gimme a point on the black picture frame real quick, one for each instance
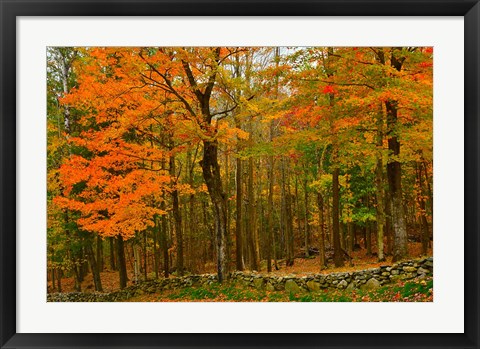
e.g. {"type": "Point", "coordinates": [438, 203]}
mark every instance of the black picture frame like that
{"type": "Point", "coordinates": [9, 10]}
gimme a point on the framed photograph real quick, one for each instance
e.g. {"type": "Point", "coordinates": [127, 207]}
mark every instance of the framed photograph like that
{"type": "Point", "coordinates": [239, 174]}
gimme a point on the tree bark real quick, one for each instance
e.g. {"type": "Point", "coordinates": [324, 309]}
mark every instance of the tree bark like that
{"type": "Point", "coordinates": [94, 266]}
{"type": "Point", "coordinates": [122, 265]}
{"type": "Point", "coordinates": [59, 280]}
{"type": "Point", "coordinates": [306, 227]}
{"type": "Point", "coordinates": [239, 217]}
{"type": "Point", "coordinates": [156, 254]}
{"type": "Point", "coordinates": [394, 171]}
{"type": "Point", "coordinates": [112, 253]}
{"type": "Point", "coordinates": [379, 187]}
{"type": "Point", "coordinates": [394, 174]}
{"type": "Point", "coordinates": [423, 215]}
{"type": "Point", "coordinates": [270, 237]}
{"type": "Point", "coordinates": [99, 254]}
{"type": "Point", "coordinates": [337, 249]}
{"type": "Point", "coordinates": [429, 189]}
{"type": "Point", "coordinates": [211, 174]}
{"type": "Point", "coordinates": [321, 230]}
{"type": "Point", "coordinates": [290, 236]}
{"type": "Point", "coordinates": [368, 232]}
{"type": "Point", "coordinates": [251, 227]}
{"type": "Point", "coordinates": [192, 218]}
{"type": "Point", "coordinates": [287, 225]}
{"type": "Point", "coordinates": [177, 217]}
{"type": "Point", "coordinates": [136, 262]}
{"type": "Point", "coordinates": [164, 241]}
{"type": "Point", "coordinates": [145, 264]}
{"type": "Point", "coordinates": [351, 237]}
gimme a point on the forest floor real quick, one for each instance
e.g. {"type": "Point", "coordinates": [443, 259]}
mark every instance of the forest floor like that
{"type": "Point", "coordinates": [416, 290]}
{"type": "Point", "coordinates": [301, 267]}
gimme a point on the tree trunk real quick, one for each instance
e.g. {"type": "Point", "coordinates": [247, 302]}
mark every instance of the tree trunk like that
{"type": "Point", "coordinates": [351, 237]}
{"type": "Point", "coordinates": [394, 174]}
{"type": "Point", "coordinates": [239, 217]}
{"type": "Point", "coordinates": [394, 170]}
{"type": "Point", "coordinates": [99, 254]}
{"type": "Point", "coordinates": [52, 278]}
{"type": "Point", "coordinates": [83, 265]}
{"type": "Point", "coordinates": [290, 236]}
{"type": "Point", "coordinates": [271, 162]}
{"type": "Point", "coordinates": [388, 223]}
{"type": "Point", "coordinates": [379, 187]}
{"type": "Point", "coordinates": [251, 227]}
{"type": "Point", "coordinates": [78, 279]}
{"type": "Point", "coordinates": [144, 252]}
{"type": "Point", "coordinates": [287, 217]}
{"type": "Point", "coordinates": [164, 241]}
{"type": "Point", "coordinates": [59, 280]}
{"type": "Point", "coordinates": [122, 264]}
{"type": "Point", "coordinates": [94, 266]}
{"type": "Point", "coordinates": [156, 251]}
{"type": "Point", "coordinates": [136, 262]}
{"type": "Point", "coordinates": [368, 230]}
{"type": "Point", "coordinates": [270, 237]}
{"type": "Point", "coordinates": [321, 231]}
{"type": "Point", "coordinates": [192, 218]}
{"type": "Point", "coordinates": [228, 241]}
{"type": "Point", "coordinates": [177, 217]}
{"type": "Point", "coordinates": [112, 253]}
{"type": "Point", "coordinates": [337, 250]}
{"type": "Point", "coordinates": [423, 215]}
{"type": "Point", "coordinates": [211, 175]}
{"type": "Point", "coordinates": [380, 212]}
{"type": "Point", "coordinates": [429, 189]}
{"type": "Point", "coordinates": [306, 227]}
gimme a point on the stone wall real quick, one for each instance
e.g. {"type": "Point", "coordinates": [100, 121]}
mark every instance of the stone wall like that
{"type": "Point", "coordinates": [363, 279]}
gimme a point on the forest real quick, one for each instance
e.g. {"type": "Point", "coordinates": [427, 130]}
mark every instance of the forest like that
{"type": "Point", "coordinates": [171, 161]}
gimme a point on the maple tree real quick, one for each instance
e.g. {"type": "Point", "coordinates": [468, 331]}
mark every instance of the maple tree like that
{"type": "Point", "coordinates": [242, 157]}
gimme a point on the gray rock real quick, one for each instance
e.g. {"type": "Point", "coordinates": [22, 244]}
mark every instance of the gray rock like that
{"type": "Point", "coordinates": [428, 263]}
{"type": "Point", "coordinates": [409, 269]}
{"type": "Point", "coordinates": [422, 271]}
{"type": "Point", "coordinates": [342, 284]}
{"type": "Point", "coordinates": [292, 287]}
{"type": "Point", "coordinates": [269, 287]}
{"type": "Point", "coordinates": [371, 284]}
{"type": "Point", "coordinates": [258, 283]}
{"type": "Point", "coordinates": [313, 286]}
{"type": "Point", "coordinates": [394, 278]}
{"type": "Point", "coordinates": [407, 276]}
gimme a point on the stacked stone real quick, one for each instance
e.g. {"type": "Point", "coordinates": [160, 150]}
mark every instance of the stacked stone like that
{"type": "Point", "coordinates": [363, 279]}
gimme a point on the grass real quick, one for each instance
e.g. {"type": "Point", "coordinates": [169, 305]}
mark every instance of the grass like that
{"type": "Point", "coordinates": [410, 291]}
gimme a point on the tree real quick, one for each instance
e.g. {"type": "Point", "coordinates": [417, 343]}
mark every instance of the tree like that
{"type": "Point", "coordinates": [170, 149]}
